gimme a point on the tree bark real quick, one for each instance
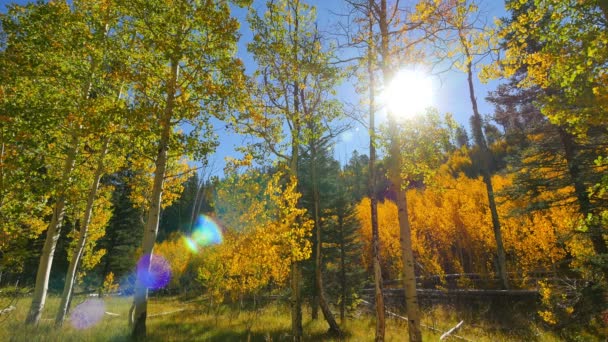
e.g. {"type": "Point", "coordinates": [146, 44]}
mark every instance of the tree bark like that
{"type": "Point", "coordinates": [72, 268]}
{"type": "Point", "coordinates": [342, 270]}
{"type": "Point", "coordinates": [296, 302]}
{"type": "Point", "coordinates": [296, 271]}
{"type": "Point", "coordinates": [314, 305]}
{"type": "Point", "coordinates": [151, 227]}
{"type": "Point", "coordinates": [52, 236]}
{"type": "Point", "coordinates": [407, 255]}
{"type": "Point", "coordinates": [334, 329]}
{"type": "Point", "coordinates": [376, 262]}
{"type": "Point", "coordinates": [485, 172]}
{"type": "Point", "coordinates": [54, 230]}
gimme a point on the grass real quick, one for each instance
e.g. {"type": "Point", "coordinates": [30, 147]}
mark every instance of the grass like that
{"type": "Point", "coordinates": [270, 323]}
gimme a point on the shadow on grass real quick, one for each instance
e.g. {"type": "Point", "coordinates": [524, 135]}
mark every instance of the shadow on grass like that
{"type": "Point", "coordinates": [207, 331]}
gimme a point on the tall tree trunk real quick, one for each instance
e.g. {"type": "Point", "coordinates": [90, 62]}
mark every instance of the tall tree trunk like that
{"type": "Point", "coordinates": [582, 195]}
{"type": "Point", "coordinates": [485, 172]}
{"type": "Point", "coordinates": [407, 255]}
{"type": "Point", "coordinates": [342, 270]}
{"type": "Point", "coordinates": [376, 263]}
{"type": "Point", "coordinates": [140, 299]}
{"type": "Point", "coordinates": [54, 230]}
{"type": "Point", "coordinates": [296, 302]}
{"type": "Point", "coordinates": [84, 228]}
{"type": "Point", "coordinates": [52, 235]}
{"type": "Point", "coordinates": [314, 305]}
{"type": "Point", "coordinates": [296, 271]}
{"type": "Point", "coordinates": [334, 329]}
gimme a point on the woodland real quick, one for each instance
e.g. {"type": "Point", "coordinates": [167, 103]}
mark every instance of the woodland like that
{"type": "Point", "coordinates": [115, 224]}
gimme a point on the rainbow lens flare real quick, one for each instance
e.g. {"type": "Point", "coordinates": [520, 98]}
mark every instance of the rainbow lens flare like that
{"type": "Point", "coordinates": [154, 271]}
{"type": "Point", "coordinates": [87, 313]}
{"type": "Point", "coordinates": [206, 232]}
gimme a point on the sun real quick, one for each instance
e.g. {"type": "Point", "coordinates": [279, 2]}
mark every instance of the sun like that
{"type": "Point", "coordinates": [409, 93]}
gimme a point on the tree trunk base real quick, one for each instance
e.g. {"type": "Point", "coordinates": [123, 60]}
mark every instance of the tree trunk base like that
{"type": "Point", "coordinates": [139, 327]}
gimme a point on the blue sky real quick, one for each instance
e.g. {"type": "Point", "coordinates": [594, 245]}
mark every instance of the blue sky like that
{"type": "Point", "coordinates": [451, 93]}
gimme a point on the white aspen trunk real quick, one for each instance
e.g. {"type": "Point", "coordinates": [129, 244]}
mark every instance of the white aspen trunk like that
{"type": "Point", "coordinates": [409, 275]}
{"type": "Point", "coordinates": [72, 268]}
{"type": "Point", "coordinates": [407, 255]}
{"type": "Point", "coordinates": [54, 230]}
{"type": "Point", "coordinates": [151, 227]}
{"type": "Point", "coordinates": [52, 235]}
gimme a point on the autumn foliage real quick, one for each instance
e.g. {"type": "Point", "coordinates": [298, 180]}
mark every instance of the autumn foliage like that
{"type": "Point", "coordinates": [452, 231]}
{"type": "Point", "coordinates": [264, 232]}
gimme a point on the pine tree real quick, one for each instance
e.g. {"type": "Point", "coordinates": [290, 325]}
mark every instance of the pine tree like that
{"type": "Point", "coordinates": [123, 233]}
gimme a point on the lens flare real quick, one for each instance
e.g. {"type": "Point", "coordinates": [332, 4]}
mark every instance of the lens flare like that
{"type": "Point", "coordinates": [87, 313]}
{"type": "Point", "coordinates": [154, 271]}
{"type": "Point", "coordinates": [206, 232]}
{"type": "Point", "coordinates": [190, 244]}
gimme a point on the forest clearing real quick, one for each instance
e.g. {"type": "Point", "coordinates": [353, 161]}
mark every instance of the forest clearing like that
{"type": "Point", "coordinates": [304, 170]}
{"type": "Point", "coordinates": [172, 319]}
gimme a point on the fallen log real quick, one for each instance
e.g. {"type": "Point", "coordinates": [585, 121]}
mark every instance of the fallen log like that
{"type": "Point", "coordinates": [7, 310]}
{"type": "Point", "coordinates": [446, 334]}
{"type": "Point", "coordinates": [166, 313]}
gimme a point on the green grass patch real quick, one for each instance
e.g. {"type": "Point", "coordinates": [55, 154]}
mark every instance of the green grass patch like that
{"type": "Point", "coordinates": [170, 319]}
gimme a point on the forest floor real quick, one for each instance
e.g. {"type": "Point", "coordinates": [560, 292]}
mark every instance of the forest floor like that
{"type": "Point", "coordinates": [171, 319]}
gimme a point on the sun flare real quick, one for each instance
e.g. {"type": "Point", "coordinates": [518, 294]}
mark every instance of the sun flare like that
{"type": "Point", "coordinates": [409, 93]}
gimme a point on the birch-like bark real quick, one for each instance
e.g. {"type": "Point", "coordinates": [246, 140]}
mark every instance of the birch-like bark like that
{"type": "Point", "coordinates": [82, 239]}
{"type": "Point", "coordinates": [409, 276]}
{"type": "Point", "coordinates": [151, 227]}
{"type": "Point", "coordinates": [52, 236]}
{"type": "Point", "coordinates": [54, 230]}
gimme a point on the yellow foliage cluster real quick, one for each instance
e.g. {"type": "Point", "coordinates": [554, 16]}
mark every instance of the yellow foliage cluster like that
{"type": "Point", "coordinates": [102, 212]}
{"type": "Point", "coordinates": [569, 55]}
{"type": "Point", "coordinates": [109, 285]}
{"type": "Point", "coordinates": [176, 175]}
{"type": "Point", "coordinates": [175, 251]}
{"type": "Point", "coordinates": [452, 230]}
{"type": "Point", "coordinates": [264, 233]}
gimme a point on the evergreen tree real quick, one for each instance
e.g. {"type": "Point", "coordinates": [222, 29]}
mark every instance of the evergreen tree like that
{"type": "Point", "coordinates": [178, 216]}
{"type": "Point", "coordinates": [356, 175]}
{"type": "Point", "coordinates": [345, 276]}
{"type": "Point", "coordinates": [326, 168]}
{"type": "Point", "coordinates": [547, 156]}
{"type": "Point", "coordinates": [123, 233]}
